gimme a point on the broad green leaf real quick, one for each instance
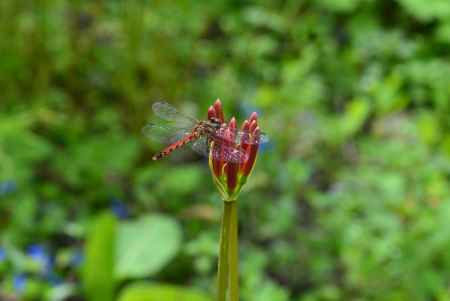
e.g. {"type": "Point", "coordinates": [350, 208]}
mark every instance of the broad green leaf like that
{"type": "Point", "coordinates": [159, 292]}
{"type": "Point", "coordinates": [146, 245]}
{"type": "Point", "coordinates": [98, 280]}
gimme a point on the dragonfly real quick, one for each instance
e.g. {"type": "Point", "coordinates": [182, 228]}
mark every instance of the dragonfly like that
{"type": "Point", "coordinates": [178, 130]}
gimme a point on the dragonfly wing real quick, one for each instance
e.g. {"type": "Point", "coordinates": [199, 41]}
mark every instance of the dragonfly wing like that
{"type": "Point", "coordinates": [220, 151]}
{"type": "Point", "coordinates": [229, 153]}
{"type": "Point", "coordinates": [168, 112]}
{"type": "Point", "coordinates": [165, 111]}
{"type": "Point", "coordinates": [244, 137]}
{"type": "Point", "coordinates": [201, 146]}
{"type": "Point", "coordinates": [163, 133]}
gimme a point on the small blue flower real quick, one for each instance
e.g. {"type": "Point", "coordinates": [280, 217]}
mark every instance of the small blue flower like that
{"type": "Point", "coordinates": [119, 208]}
{"type": "Point", "coordinates": [2, 254]}
{"type": "Point", "coordinates": [7, 187]}
{"type": "Point", "coordinates": [37, 252]}
{"type": "Point", "coordinates": [77, 258]}
{"type": "Point", "coordinates": [40, 255]}
{"type": "Point", "coordinates": [267, 146]}
{"type": "Point", "coordinates": [54, 279]}
{"type": "Point", "coordinates": [19, 283]}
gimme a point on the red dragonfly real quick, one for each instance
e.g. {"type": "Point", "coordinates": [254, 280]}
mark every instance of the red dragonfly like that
{"type": "Point", "coordinates": [178, 130]}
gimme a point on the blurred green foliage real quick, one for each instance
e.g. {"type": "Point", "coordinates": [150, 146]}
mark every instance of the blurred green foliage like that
{"type": "Point", "coordinates": [349, 201]}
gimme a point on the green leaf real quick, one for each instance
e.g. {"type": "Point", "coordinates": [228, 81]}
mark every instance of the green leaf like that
{"type": "Point", "coordinates": [355, 115]}
{"type": "Point", "coordinates": [443, 32]}
{"type": "Point", "coordinates": [427, 10]}
{"type": "Point", "coordinates": [146, 245]}
{"type": "Point", "coordinates": [428, 128]}
{"type": "Point", "coordinates": [158, 292]}
{"type": "Point", "coordinates": [20, 147]}
{"type": "Point", "coordinates": [98, 269]}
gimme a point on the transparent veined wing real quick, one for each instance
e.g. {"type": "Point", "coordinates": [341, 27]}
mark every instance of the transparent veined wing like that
{"type": "Point", "coordinates": [169, 113]}
{"type": "Point", "coordinates": [201, 146]}
{"type": "Point", "coordinates": [220, 151]}
{"type": "Point", "coordinates": [228, 153]}
{"type": "Point", "coordinates": [164, 134]}
{"type": "Point", "coordinates": [240, 137]}
{"type": "Point", "coordinates": [245, 137]}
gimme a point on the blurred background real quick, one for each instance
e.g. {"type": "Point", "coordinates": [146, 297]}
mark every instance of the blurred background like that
{"type": "Point", "coordinates": [349, 200]}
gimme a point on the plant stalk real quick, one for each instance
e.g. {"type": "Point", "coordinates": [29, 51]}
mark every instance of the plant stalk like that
{"type": "Point", "coordinates": [228, 269]}
{"type": "Point", "coordinates": [233, 251]}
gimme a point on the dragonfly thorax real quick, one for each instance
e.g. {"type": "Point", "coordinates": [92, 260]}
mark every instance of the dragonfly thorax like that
{"type": "Point", "coordinates": [207, 127]}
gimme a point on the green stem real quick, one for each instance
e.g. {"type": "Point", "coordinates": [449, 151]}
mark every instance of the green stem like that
{"type": "Point", "coordinates": [222, 271]}
{"type": "Point", "coordinates": [233, 251]}
{"type": "Point", "coordinates": [228, 269]}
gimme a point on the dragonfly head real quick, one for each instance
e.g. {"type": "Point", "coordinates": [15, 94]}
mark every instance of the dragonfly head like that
{"type": "Point", "coordinates": [215, 122]}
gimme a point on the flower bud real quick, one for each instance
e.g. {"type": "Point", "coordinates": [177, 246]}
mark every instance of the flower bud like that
{"type": "Point", "coordinates": [230, 174]}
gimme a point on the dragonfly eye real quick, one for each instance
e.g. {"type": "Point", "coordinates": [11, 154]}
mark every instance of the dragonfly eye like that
{"type": "Point", "coordinates": [215, 121]}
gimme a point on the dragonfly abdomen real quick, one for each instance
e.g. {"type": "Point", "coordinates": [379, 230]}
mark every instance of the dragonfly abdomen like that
{"type": "Point", "coordinates": [168, 150]}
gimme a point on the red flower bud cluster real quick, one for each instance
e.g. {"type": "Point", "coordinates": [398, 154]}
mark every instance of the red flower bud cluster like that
{"type": "Point", "coordinates": [231, 176]}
